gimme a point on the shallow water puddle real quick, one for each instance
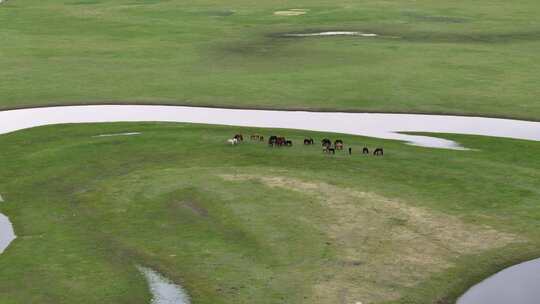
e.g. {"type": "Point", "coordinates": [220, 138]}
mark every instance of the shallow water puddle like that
{"type": "Point", "coordinates": [7, 234]}
{"type": "Point", "coordinates": [291, 12]}
{"type": "Point", "coordinates": [332, 33]}
{"type": "Point", "coordinates": [118, 134]}
{"type": "Point", "coordinates": [162, 289]}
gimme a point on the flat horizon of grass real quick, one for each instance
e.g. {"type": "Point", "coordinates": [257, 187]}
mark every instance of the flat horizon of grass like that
{"type": "Point", "coordinates": [453, 57]}
{"type": "Point", "coordinates": [248, 223]}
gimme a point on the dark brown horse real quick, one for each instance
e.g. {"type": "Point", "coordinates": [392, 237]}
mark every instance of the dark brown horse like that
{"type": "Point", "coordinates": [338, 144]}
{"type": "Point", "coordinates": [365, 150]}
{"type": "Point", "coordinates": [308, 141]}
{"type": "Point", "coordinates": [378, 151]}
{"type": "Point", "coordinates": [288, 143]}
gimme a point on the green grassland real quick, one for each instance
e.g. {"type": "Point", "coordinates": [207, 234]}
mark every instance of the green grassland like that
{"type": "Point", "coordinates": [461, 57]}
{"type": "Point", "coordinates": [252, 224]}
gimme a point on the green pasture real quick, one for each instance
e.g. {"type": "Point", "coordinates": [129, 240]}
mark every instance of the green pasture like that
{"type": "Point", "coordinates": [460, 57]}
{"type": "Point", "coordinates": [252, 224]}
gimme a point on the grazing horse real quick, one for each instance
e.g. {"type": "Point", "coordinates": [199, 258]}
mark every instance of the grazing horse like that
{"type": "Point", "coordinates": [326, 142]}
{"type": "Point", "coordinates": [329, 150]}
{"type": "Point", "coordinates": [272, 140]}
{"type": "Point", "coordinates": [365, 150]}
{"type": "Point", "coordinates": [378, 151]}
{"type": "Point", "coordinates": [232, 141]}
{"type": "Point", "coordinates": [288, 143]}
{"type": "Point", "coordinates": [338, 144]}
{"type": "Point", "coordinates": [281, 141]}
{"type": "Point", "coordinates": [239, 137]}
{"type": "Point", "coordinates": [308, 141]}
{"type": "Point", "coordinates": [276, 141]}
{"type": "Point", "coordinates": [255, 137]}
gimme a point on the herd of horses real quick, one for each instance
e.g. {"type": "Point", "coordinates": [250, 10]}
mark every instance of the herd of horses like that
{"type": "Point", "coordinates": [280, 141]}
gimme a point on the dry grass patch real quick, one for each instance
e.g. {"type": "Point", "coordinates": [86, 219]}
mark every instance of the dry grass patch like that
{"type": "Point", "coordinates": [383, 245]}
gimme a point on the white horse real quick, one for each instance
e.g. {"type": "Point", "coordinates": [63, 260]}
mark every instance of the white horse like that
{"type": "Point", "coordinates": [232, 141]}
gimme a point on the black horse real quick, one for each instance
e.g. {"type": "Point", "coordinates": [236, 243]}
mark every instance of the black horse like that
{"type": "Point", "coordinates": [288, 143]}
{"type": "Point", "coordinates": [329, 150]}
{"type": "Point", "coordinates": [365, 150]}
{"type": "Point", "coordinates": [378, 151]}
{"type": "Point", "coordinates": [272, 140]}
{"type": "Point", "coordinates": [326, 142]}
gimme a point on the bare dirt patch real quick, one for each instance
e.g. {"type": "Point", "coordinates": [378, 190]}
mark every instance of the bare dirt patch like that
{"type": "Point", "coordinates": [383, 245]}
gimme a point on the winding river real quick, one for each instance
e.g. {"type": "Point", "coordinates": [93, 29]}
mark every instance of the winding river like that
{"type": "Point", "coordinates": [513, 282]}
{"type": "Point", "coordinates": [384, 126]}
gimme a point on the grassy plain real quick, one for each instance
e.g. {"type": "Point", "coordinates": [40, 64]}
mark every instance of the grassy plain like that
{"type": "Point", "coordinates": [251, 224]}
{"type": "Point", "coordinates": [460, 57]}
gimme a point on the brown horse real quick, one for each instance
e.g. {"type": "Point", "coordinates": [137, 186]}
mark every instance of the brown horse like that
{"type": "Point", "coordinates": [338, 144]}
